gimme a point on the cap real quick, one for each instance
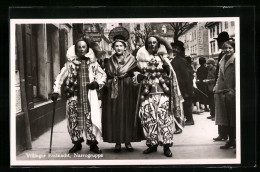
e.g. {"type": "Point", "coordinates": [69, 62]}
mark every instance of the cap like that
{"type": "Point", "coordinates": [211, 61]}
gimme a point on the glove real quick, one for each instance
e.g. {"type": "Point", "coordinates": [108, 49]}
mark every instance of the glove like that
{"type": "Point", "coordinates": [93, 85]}
{"type": "Point", "coordinates": [140, 77]}
{"type": "Point", "coordinates": [166, 68]}
{"type": "Point", "coordinates": [54, 96]}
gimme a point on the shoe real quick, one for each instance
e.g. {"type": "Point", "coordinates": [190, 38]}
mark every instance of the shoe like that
{"type": "Point", "coordinates": [167, 152]}
{"type": "Point", "coordinates": [75, 148]}
{"type": "Point", "coordinates": [213, 119]}
{"type": "Point", "coordinates": [178, 131]}
{"type": "Point", "coordinates": [189, 122]}
{"type": "Point", "coordinates": [210, 117]}
{"type": "Point", "coordinates": [129, 147]}
{"type": "Point", "coordinates": [220, 138]}
{"type": "Point", "coordinates": [150, 150]}
{"type": "Point", "coordinates": [228, 145]}
{"type": "Point", "coordinates": [117, 148]}
{"type": "Point", "coordinates": [95, 149]}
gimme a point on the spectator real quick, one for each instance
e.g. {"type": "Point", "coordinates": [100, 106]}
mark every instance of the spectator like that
{"type": "Point", "coordinates": [184, 80]}
{"type": "Point", "coordinates": [210, 81]}
{"type": "Point", "coordinates": [225, 93]}
{"type": "Point", "coordinates": [202, 74]}
{"type": "Point", "coordinates": [222, 37]}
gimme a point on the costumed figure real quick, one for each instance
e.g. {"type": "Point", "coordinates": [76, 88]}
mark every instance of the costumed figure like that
{"type": "Point", "coordinates": [120, 95]}
{"type": "Point", "coordinates": [160, 101]}
{"type": "Point", "coordinates": [83, 77]}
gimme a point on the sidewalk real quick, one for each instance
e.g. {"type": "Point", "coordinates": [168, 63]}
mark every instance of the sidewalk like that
{"type": "Point", "coordinates": [195, 142]}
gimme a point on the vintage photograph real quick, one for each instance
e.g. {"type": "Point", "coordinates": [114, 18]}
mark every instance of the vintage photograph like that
{"type": "Point", "coordinates": [131, 91]}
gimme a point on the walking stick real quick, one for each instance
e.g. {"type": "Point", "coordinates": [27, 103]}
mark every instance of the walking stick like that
{"type": "Point", "coordinates": [201, 92]}
{"type": "Point", "coordinates": [54, 104]}
{"type": "Point", "coordinates": [137, 104]}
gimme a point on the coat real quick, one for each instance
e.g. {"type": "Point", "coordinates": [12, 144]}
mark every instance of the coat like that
{"type": "Point", "coordinates": [95, 74]}
{"type": "Point", "coordinates": [212, 78]}
{"type": "Point", "coordinates": [119, 102]}
{"type": "Point", "coordinates": [184, 78]}
{"type": "Point", "coordinates": [225, 93]}
{"type": "Point", "coordinates": [202, 74]}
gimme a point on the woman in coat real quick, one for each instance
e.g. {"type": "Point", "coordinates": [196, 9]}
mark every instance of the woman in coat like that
{"type": "Point", "coordinates": [120, 95]}
{"type": "Point", "coordinates": [225, 93]}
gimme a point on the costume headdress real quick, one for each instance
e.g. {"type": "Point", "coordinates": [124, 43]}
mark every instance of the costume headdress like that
{"type": "Point", "coordinates": [118, 34]}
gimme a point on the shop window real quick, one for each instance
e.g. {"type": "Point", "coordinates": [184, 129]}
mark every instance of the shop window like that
{"type": "Point", "coordinates": [213, 31]}
{"type": "Point", "coordinates": [217, 29]}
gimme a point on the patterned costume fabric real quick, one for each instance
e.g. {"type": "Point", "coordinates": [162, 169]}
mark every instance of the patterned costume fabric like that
{"type": "Point", "coordinates": [79, 116]}
{"type": "Point", "coordinates": [156, 120]}
{"type": "Point", "coordinates": [83, 103]}
{"type": "Point", "coordinates": [157, 115]}
{"type": "Point", "coordinates": [79, 110]}
{"type": "Point", "coordinates": [72, 123]}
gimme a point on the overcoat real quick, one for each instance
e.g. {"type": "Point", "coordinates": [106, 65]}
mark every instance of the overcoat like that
{"type": "Point", "coordinates": [225, 93]}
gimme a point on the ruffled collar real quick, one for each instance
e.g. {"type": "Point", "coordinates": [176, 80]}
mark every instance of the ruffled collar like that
{"type": "Point", "coordinates": [71, 55]}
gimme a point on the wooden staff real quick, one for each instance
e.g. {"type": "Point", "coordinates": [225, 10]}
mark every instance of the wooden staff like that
{"type": "Point", "coordinates": [137, 104]}
{"type": "Point", "coordinates": [54, 104]}
{"type": "Point", "coordinates": [201, 92]}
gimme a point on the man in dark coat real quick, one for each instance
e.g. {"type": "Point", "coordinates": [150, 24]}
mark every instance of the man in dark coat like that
{"type": "Point", "coordinates": [202, 74]}
{"type": "Point", "coordinates": [222, 37]}
{"type": "Point", "coordinates": [185, 82]}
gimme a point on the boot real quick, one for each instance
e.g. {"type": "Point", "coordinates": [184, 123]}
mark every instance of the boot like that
{"type": "Point", "coordinates": [129, 147]}
{"type": "Point", "coordinates": [93, 146]}
{"type": "Point", "coordinates": [151, 149]}
{"type": "Point", "coordinates": [75, 148]}
{"type": "Point", "coordinates": [95, 149]}
{"type": "Point", "coordinates": [220, 138]}
{"type": "Point", "coordinates": [166, 150]}
{"type": "Point", "coordinates": [228, 145]}
{"type": "Point", "coordinates": [117, 147]}
{"type": "Point", "coordinates": [189, 122]}
{"type": "Point", "coordinates": [178, 131]}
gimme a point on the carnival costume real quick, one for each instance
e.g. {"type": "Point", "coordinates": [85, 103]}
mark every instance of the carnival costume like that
{"type": "Point", "coordinates": [160, 100]}
{"type": "Point", "coordinates": [120, 96]}
{"type": "Point", "coordinates": [82, 108]}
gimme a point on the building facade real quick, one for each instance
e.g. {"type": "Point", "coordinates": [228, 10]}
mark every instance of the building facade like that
{"type": "Point", "coordinates": [214, 28]}
{"type": "Point", "coordinates": [195, 41]}
{"type": "Point", "coordinates": [40, 54]}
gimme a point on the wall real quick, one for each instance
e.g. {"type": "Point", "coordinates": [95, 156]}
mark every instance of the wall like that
{"type": "Point", "coordinates": [50, 57]}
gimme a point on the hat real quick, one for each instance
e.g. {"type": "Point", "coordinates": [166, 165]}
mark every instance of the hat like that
{"type": "Point", "coordinates": [178, 44]}
{"type": "Point", "coordinates": [211, 61]}
{"type": "Point", "coordinates": [118, 33]}
{"type": "Point", "coordinates": [223, 37]}
{"type": "Point", "coordinates": [188, 59]}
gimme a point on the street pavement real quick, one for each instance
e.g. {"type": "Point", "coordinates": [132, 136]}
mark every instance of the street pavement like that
{"type": "Point", "coordinates": [195, 142]}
